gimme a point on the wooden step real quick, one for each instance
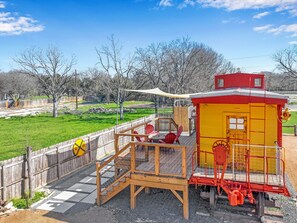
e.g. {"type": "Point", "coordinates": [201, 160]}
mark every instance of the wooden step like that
{"type": "Point", "coordinates": [114, 190]}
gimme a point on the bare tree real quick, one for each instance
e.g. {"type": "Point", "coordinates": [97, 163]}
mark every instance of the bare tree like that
{"type": "Point", "coordinates": [287, 61]}
{"type": "Point", "coordinates": [120, 69]}
{"type": "Point", "coordinates": [15, 84]}
{"type": "Point", "coordinates": [151, 62]}
{"type": "Point", "coordinates": [189, 66]}
{"type": "Point", "coordinates": [50, 68]}
{"type": "Point", "coordinates": [97, 83]}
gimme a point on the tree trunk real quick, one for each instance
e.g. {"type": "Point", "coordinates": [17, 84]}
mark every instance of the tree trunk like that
{"type": "Point", "coordinates": [121, 110]}
{"type": "Point", "coordinates": [55, 107]}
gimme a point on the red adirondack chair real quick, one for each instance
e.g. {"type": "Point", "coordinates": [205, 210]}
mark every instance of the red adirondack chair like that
{"type": "Point", "coordinates": [138, 138]}
{"type": "Point", "coordinates": [179, 132]}
{"type": "Point", "coordinates": [149, 129]}
{"type": "Point", "coordinates": [169, 139]}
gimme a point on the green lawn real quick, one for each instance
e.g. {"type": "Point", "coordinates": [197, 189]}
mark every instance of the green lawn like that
{"type": "Point", "coordinates": [43, 130]}
{"type": "Point", "coordinates": [292, 121]}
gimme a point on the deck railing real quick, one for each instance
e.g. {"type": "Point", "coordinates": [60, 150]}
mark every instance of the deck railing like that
{"type": "Point", "coordinates": [167, 160]}
{"type": "Point", "coordinates": [249, 163]}
{"type": "Point", "coordinates": [108, 170]}
{"type": "Point", "coordinates": [166, 124]}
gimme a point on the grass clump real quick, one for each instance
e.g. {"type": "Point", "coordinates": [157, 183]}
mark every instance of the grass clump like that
{"type": "Point", "coordinates": [26, 202]}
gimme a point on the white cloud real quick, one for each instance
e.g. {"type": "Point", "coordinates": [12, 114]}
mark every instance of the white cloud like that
{"type": "Point", "coordinates": [2, 5]}
{"type": "Point", "coordinates": [293, 42]}
{"type": "Point", "coordinates": [185, 3]}
{"type": "Point", "coordinates": [13, 25]}
{"type": "Point", "coordinates": [231, 5]}
{"type": "Point", "coordinates": [260, 15]}
{"type": "Point", "coordinates": [166, 3]}
{"type": "Point", "coordinates": [262, 28]}
{"type": "Point", "coordinates": [291, 29]}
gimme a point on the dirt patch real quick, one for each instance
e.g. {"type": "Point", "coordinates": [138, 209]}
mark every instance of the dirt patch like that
{"type": "Point", "coordinates": [32, 216]}
{"type": "Point", "coordinates": [290, 143]}
{"type": "Point", "coordinates": [94, 214]}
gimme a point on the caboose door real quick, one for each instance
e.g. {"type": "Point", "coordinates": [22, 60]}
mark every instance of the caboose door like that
{"type": "Point", "coordinates": [236, 133]}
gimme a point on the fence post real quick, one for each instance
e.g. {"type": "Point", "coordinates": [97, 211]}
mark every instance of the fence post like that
{"type": "Point", "coordinates": [58, 163]}
{"type": "Point", "coordinates": [30, 176]}
{"type": "Point", "coordinates": [3, 185]}
{"type": "Point", "coordinates": [295, 130]}
{"type": "Point", "coordinates": [89, 148]}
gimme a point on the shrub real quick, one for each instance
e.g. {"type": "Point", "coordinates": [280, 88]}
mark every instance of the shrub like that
{"type": "Point", "coordinates": [23, 203]}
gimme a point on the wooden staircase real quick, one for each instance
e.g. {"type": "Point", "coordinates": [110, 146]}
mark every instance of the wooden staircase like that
{"type": "Point", "coordinates": [107, 192]}
{"type": "Point", "coordinates": [116, 187]}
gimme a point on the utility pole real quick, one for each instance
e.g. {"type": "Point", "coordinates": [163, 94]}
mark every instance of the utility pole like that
{"type": "Point", "coordinates": [75, 81]}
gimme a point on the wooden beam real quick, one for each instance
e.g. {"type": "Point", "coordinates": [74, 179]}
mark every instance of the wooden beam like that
{"type": "Point", "coordinates": [177, 196]}
{"type": "Point", "coordinates": [133, 164]}
{"type": "Point", "coordinates": [157, 185]}
{"type": "Point", "coordinates": [184, 162]}
{"type": "Point", "coordinates": [135, 126]}
{"type": "Point", "coordinates": [132, 196]}
{"type": "Point", "coordinates": [138, 191]}
{"type": "Point", "coordinates": [157, 160]}
{"type": "Point", "coordinates": [159, 179]}
{"type": "Point", "coordinates": [186, 202]}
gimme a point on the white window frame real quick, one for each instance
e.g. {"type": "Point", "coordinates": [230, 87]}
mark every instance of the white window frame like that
{"type": "Point", "coordinates": [221, 82]}
{"type": "Point", "coordinates": [258, 82]}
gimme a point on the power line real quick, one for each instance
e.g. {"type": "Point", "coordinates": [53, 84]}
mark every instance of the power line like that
{"type": "Point", "coordinates": [251, 57]}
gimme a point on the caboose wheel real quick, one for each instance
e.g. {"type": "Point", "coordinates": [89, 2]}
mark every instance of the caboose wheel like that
{"type": "Point", "coordinates": [260, 204]}
{"type": "Point", "coordinates": [212, 198]}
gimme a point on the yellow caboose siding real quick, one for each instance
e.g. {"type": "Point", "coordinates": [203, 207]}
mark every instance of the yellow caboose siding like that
{"type": "Point", "coordinates": [261, 129]}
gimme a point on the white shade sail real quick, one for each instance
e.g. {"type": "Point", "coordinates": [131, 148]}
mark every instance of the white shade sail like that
{"type": "Point", "coordinates": [157, 91]}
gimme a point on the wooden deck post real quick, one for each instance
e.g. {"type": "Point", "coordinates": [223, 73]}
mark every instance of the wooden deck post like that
{"type": "Point", "coordinates": [146, 155]}
{"type": "Point", "coordinates": [132, 196]}
{"type": "Point", "coordinates": [133, 159]}
{"type": "Point", "coordinates": [116, 149]}
{"type": "Point", "coordinates": [157, 160]}
{"type": "Point", "coordinates": [186, 202]}
{"type": "Point", "coordinates": [184, 162]}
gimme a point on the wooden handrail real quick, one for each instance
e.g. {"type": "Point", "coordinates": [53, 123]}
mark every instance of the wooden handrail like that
{"type": "Point", "coordinates": [130, 134]}
{"type": "Point", "coordinates": [136, 126]}
{"type": "Point", "coordinates": [113, 157]}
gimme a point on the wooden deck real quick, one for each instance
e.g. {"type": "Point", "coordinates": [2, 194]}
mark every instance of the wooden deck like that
{"type": "Point", "coordinates": [170, 159]}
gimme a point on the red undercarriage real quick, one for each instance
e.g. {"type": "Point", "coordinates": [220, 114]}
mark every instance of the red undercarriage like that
{"type": "Point", "coordinates": [237, 190]}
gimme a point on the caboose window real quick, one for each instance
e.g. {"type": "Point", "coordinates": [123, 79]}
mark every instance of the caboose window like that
{"type": "Point", "coordinates": [257, 82]}
{"type": "Point", "coordinates": [236, 123]}
{"type": "Point", "coordinates": [220, 82]}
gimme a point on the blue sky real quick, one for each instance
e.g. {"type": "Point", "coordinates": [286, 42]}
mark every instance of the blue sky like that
{"type": "Point", "coordinates": [247, 32]}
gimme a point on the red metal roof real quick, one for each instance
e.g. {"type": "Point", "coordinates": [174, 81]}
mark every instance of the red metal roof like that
{"type": "Point", "coordinates": [239, 96]}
